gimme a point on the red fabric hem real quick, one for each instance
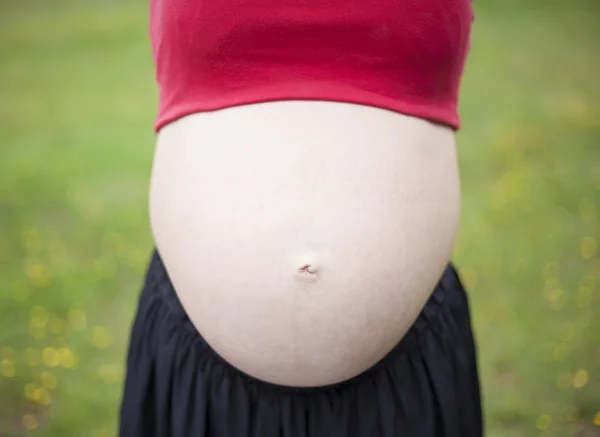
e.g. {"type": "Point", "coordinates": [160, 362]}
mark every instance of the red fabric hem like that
{"type": "Point", "coordinates": [442, 114]}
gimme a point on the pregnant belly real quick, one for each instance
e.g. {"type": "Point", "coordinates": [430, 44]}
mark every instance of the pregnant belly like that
{"type": "Point", "coordinates": [303, 238]}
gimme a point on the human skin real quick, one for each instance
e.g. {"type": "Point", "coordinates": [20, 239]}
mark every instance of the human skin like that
{"type": "Point", "coordinates": [304, 237]}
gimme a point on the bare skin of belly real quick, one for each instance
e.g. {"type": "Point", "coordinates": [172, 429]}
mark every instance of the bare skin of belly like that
{"type": "Point", "coordinates": [303, 238]}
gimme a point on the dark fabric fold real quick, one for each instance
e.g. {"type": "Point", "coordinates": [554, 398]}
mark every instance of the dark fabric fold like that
{"type": "Point", "coordinates": [178, 386]}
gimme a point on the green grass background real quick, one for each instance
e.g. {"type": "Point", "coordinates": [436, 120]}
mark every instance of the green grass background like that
{"type": "Point", "coordinates": [77, 101]}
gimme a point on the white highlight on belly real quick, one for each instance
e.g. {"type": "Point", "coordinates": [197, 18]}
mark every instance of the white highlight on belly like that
{"type": "Point", "coordinates": [303, 238]}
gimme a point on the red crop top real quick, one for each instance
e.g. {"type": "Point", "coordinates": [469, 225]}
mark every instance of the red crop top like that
{"type": "Point", "coordinates": [402, 55]}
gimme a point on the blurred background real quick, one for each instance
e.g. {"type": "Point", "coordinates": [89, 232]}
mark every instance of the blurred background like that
{"type": "Point", "coordinates": [77, 101]}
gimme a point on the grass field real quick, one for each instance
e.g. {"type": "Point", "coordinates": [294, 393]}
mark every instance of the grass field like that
{"type": "Point", "coordinates": [77, 101]}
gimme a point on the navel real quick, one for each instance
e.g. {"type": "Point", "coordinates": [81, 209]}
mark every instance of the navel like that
{"type": "Point", "coordinates": [307, 273]}
{"type": "Point", "coordinates": [308, 268]}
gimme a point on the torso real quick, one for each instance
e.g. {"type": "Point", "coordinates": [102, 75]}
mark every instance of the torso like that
{"type": "Point", "coordinates": [244, 199]}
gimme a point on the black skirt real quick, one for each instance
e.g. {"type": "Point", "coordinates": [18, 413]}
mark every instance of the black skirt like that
{"type": "Point", "coordinates": [177, 385]}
